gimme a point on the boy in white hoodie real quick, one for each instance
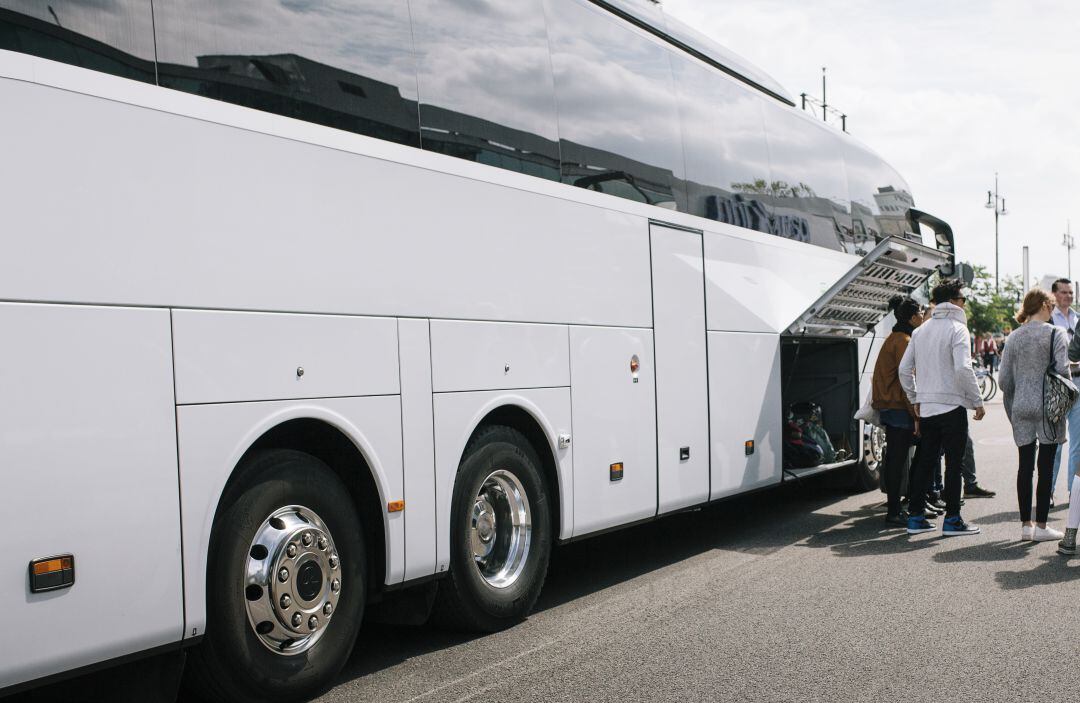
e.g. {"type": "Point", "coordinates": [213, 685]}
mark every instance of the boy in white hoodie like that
{"type": "Point", "coordinates": [940, 355]}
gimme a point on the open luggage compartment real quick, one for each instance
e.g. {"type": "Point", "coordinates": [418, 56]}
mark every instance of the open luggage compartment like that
{"type": "Point", "coordinates": [819, 361]}
{"type": "Point", "coordinates": [823, 371]}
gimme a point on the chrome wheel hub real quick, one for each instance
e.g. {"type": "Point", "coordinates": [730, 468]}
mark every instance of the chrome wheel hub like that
{"type": "Point", "coordinates": [292, 580]}
{"type": "Point", "coordinates": [876, 445]}
{"type": "Point", "coordinates": [500, 529]}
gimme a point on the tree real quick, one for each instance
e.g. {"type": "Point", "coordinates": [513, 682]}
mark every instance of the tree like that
{"type": "Point", "coordinates": [989, 310]}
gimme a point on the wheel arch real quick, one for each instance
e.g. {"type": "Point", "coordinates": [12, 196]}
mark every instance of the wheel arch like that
{"type": "Point", "coordinates": [341, 446]}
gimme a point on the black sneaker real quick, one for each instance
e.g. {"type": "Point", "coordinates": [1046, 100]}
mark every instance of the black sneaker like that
{"type": "Point", "coordinates": [900, 520]}
{"type": "Point", "coordinates": [936, 503]}
{"type": "Point", "coordinates": [977, 491]}
{"type": "Point", "coordinates": [932, 511]}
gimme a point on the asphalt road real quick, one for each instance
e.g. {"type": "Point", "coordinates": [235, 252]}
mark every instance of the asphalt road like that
{"type": "Point", "coordinates": [798, 594]}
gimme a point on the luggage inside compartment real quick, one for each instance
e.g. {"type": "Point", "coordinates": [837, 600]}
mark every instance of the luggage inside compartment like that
{"type": "Point", "coordinates": [819, 397]}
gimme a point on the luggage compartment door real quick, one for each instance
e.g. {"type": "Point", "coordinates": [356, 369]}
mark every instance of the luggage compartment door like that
{"type": "Point", "coordinates": [682, 400]}
{"type": "Point", "coordinates": [88, 462]}
{"type": "Point", "coordinates": [857, 302]}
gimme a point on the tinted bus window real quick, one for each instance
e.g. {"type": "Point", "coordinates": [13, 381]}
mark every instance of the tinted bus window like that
{"type": "Point", "coordinates": [342, 63]}
{"type": "Point", "coordinates": [727, 158]}
{"type": "Point", "coordinates": [807, 188]}
{"type": "Point", "coordinates": [880, 198]}
{"type": "Point", "coordinates": [618, 119]}
{"type": "Point", "coordinates": [486, 89]}
{"type": "Point", "coordinates": [111, 37]}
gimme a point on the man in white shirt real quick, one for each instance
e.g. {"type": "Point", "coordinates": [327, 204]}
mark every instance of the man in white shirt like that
{"type": "Point", "coordinates": [1065, 317]}
{"type": "Point", "coordinates": [937, 378]}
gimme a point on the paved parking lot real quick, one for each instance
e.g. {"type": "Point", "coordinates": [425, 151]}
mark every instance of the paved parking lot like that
{"type": "Point", "coordinates": [798, 594]}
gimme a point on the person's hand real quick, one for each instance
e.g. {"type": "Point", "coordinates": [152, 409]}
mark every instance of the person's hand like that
{"type": "Point", "coordinates": [980, 412]}
{"type": "Point", "coordinates": [915, 407]}
{"type": "Point", "coordinates": [917, 434]}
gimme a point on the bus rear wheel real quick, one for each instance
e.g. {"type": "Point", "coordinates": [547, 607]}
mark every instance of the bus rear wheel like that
{"type": "Point", "coordinates": [285, 583]}
{"type": "Point", "coordinates": [500, 534]}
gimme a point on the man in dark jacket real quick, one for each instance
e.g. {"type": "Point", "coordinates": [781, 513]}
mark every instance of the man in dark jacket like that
{"type": "Point", "coordinates": [896, 411]}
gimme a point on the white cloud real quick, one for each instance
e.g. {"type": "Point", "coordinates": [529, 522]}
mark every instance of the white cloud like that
{"type": "Point", "coordinates": [947, 92]}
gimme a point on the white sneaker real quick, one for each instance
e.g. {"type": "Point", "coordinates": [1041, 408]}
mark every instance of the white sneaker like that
{"type": "Point", "coordinates": [1027, 533]}
{"type": "Point", "coordinates": [1047, 534]}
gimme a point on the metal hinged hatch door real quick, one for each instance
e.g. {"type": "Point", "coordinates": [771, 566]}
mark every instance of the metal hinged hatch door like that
{"type": "Point", "coordinates": [859, 300]}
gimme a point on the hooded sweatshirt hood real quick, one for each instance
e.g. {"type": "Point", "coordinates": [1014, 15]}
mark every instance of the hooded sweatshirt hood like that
{"type": "Point", "coordinates": [950, 311]}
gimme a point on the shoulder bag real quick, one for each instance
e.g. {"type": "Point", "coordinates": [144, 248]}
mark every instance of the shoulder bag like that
{"type": "Point", "coordinates": [1059, 393]}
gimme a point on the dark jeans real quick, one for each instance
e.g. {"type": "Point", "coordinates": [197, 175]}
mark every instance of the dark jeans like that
{"type": "Point", "coordinates": [898, 446]}
{"type": "Point", "coordinates": [1023, 480]}
{"type": "Point", "coordinates": [967, 468]}
{"type": "Point", "coordinates": [948, 431]}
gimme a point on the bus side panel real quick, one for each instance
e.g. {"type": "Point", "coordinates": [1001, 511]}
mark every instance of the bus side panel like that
{"type": "Point", "coordinates": [614, 423]}
{"type": "Point", "coordinates": [458, 414]}
{"type": "Point", "coordinates": [744, 401]}
{"type": "Point", "coordinates": [869, 348]}
{"type": "Point", "coordinates": [228, 357]}
{"type": "Point", "coordinates": [213, 438]}
{"type": "Point", "coordinates": [487, 356]}
{"type": "Point", "coordinates": [418, 445]}
{"type": "Point", "coordinates": [88, 465]}
{"type": "Point", "coordinates": [321, 230]}
{"type": "Point", "coordinates": [759, 286]}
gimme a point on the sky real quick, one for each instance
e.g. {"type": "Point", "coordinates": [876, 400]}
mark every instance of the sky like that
{"type": "Point", "coordinates": [948, 93]}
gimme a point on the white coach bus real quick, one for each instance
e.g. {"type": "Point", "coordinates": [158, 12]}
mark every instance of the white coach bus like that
{"type": "Point", "coordinates": [305, 303]}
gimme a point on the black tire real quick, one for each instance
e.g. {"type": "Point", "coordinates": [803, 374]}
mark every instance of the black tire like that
{"type": "Point", "coordinates": [466, 601]}
{"type": "Point", "coordinates": [231, 663]}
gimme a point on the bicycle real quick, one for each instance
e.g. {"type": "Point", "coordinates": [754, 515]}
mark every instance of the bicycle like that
{"type": "Point", "coordinates": [987, 383]}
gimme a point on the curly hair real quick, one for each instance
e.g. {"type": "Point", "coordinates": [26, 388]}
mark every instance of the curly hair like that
{"type": "Point", "coordinates": [947, 290]}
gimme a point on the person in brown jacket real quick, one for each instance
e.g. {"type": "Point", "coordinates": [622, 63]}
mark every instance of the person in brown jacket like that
{"type": "Point", "coordinates": [897, 415]}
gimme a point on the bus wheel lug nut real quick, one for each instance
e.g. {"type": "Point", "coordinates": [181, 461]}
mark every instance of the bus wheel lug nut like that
{"type": "Point", "coordinates": [297, 619]}
{"type": "Point", "coordinates": [313, 623]}
{"type": "Point", "coordinates": [322, 543]}
{"type": "Point", "coordinates": [306, 539]}
{"type": "Point", "coordinates": [291, 550]}
{"type": "Point", "coordinates": [327, 609]}
{"type": "Point", "coordinates": [335, 585]}
{"type": "Point", "coordinates": [333, 561]}
{"type": "Point", "coordinates": [286, 601]}
{"type": "Point", "coordinates": [283, 575]}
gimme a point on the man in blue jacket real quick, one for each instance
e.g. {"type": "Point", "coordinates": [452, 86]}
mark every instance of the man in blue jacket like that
{"type": "Point", "coordinates": [937, 377]}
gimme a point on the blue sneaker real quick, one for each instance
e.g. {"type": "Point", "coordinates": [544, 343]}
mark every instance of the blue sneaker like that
{"type": "Point", "coordinates": [955, 527]}
{"type": "Point", "coordinates": [917, 524]}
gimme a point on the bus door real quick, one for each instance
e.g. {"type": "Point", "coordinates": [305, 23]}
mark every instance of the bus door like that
{"type": "Point", "coordinates": [682, 401]}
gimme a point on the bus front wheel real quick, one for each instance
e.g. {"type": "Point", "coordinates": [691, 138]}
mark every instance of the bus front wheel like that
{"type": "Point", "coordinates": [285, 583]}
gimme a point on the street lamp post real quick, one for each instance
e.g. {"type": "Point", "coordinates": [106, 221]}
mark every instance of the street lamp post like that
{"type": "Point", "coordinates": [997, 202]}
{"type": "Point", "coordinates": [1069, 243]}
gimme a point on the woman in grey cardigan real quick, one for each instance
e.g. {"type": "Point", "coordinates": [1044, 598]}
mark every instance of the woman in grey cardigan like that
{"type": "Point", "coordinates": [1023, 366]}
